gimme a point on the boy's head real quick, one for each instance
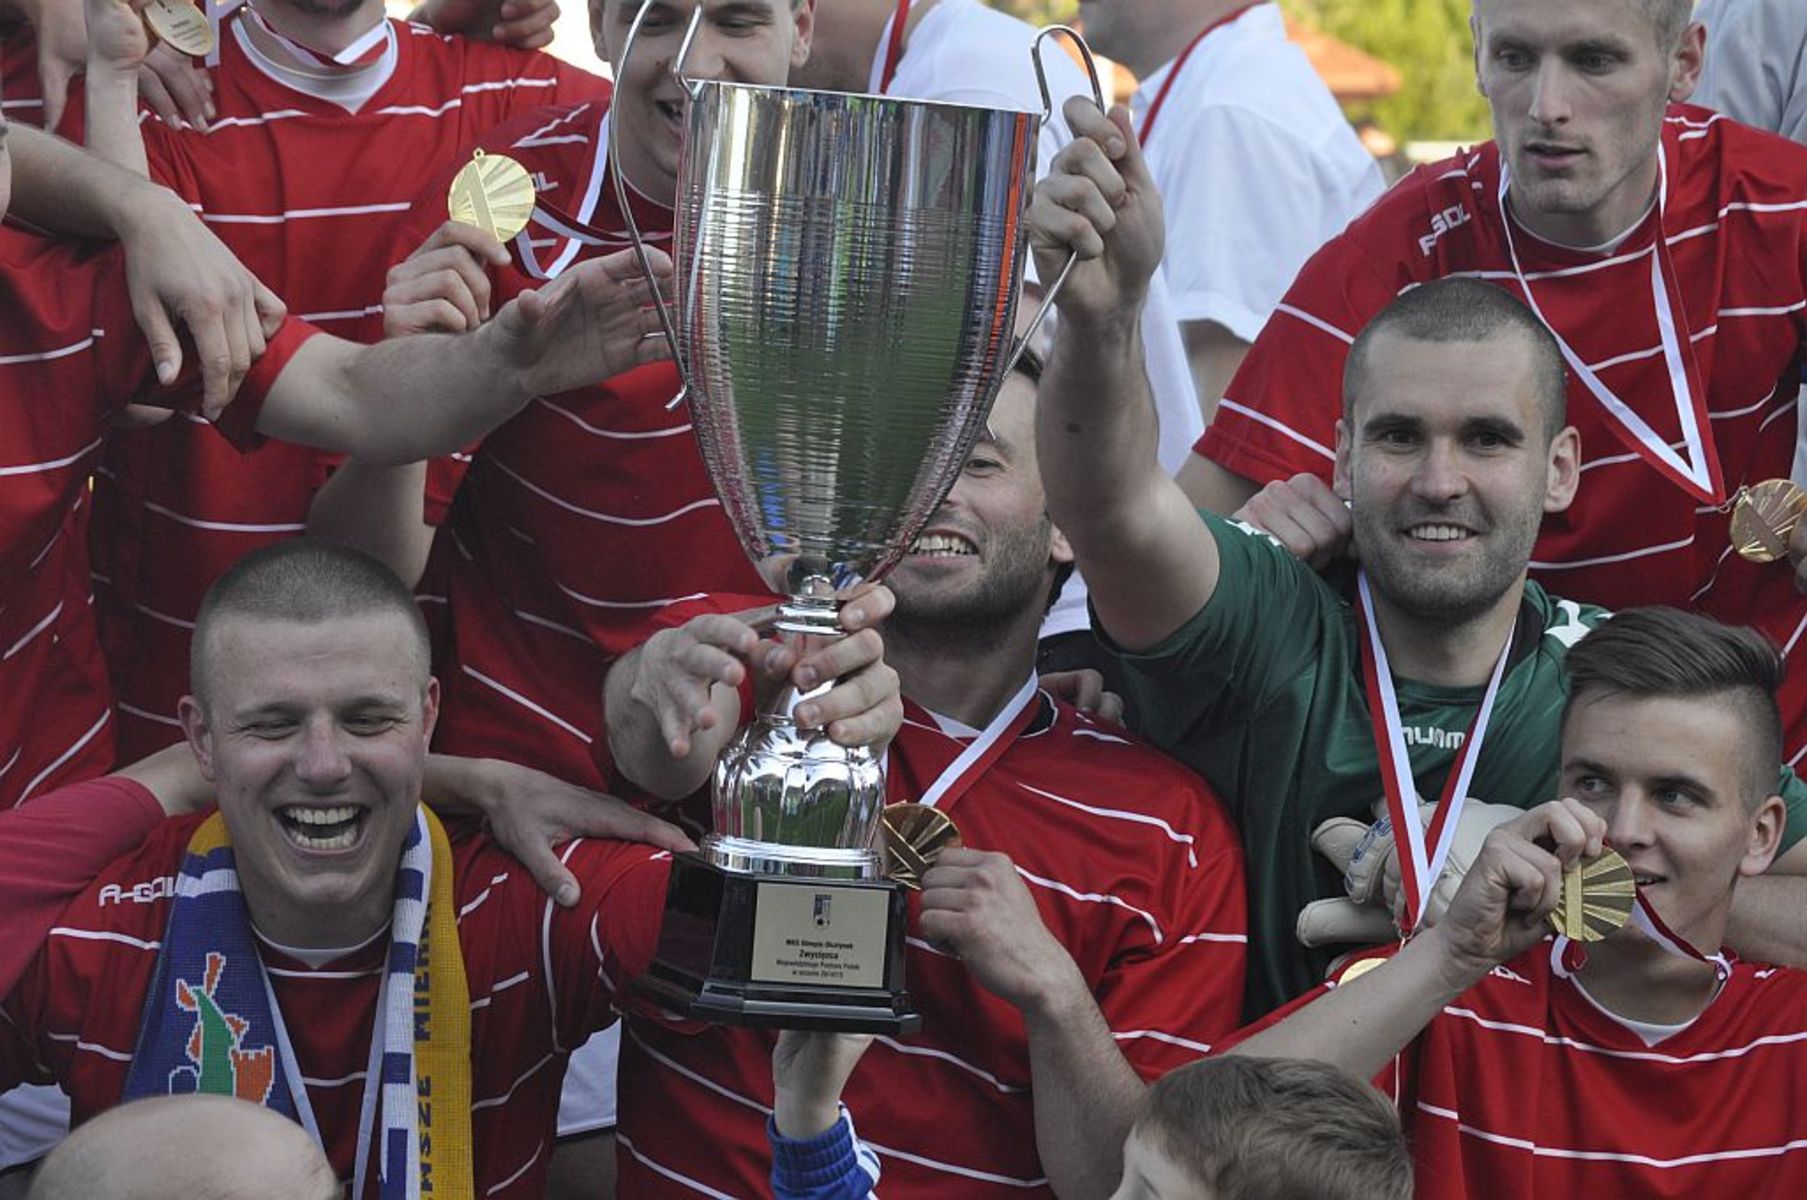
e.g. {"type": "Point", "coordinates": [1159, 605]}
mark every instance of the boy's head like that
{"type": "Point", "coordinates": [1672, 735]}
{"type": "Point", "coordinates": [1265, 1129]}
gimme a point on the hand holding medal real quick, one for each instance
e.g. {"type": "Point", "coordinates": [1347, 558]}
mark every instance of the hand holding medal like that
{"type": "Point", "coordinates": [180, 24]}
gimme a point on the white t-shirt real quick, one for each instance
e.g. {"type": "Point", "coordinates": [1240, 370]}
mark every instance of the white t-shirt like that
{"type": "Point", "coordinates": [1258, 168]}
{"type": "Point", "coordinates": [965, 53]}
{"type": "Point", "coordinates": [1756, 64]}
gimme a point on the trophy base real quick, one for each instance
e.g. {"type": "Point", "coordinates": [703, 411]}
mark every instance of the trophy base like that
{"type": "Point", "coordinates": [779, 952]}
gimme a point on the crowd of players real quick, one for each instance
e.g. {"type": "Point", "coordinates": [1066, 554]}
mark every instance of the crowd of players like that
{"type": "Point", "coordinates": [1443, 433]}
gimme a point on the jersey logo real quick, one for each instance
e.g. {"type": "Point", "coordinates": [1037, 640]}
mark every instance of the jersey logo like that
{"type": "Point", "coordinates": [1505, 972]}
{"type": "Point", "coordinates": [541, 184]}
{"type": "Point", "coordinates": [1447, 221]}
{"type": "Point", "coordinates": [1567, 626]}
{"type": "Point", "coordinates": [222, 1067]}
{"type": "Point", "coordinates": [148, 892]}
{"type": "Point", "coordinates": [1263, 534]}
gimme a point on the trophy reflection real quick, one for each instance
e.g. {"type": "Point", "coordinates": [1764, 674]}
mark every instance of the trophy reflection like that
{"type": "Point", "coordinates": [848, 270]}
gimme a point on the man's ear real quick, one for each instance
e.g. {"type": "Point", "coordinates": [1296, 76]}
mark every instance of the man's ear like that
{"type": "Point", "coordinates": [1474, 38]}
{"type": "Point", "coordinates": [1340, 474]}
{"type": "Point", "coordinates": [430, 708]}
{"type": "Point", "coordinates": [805, 18]}
{"type": "Point", "coordinates": [1685, 63]}
{"type": "Point", "coordinates": [199, 733]}
{"type": "Point", "coordinates": [1767, 825]}
{"type": "Point", "coordinates": [1565, 470]}
{"type": "Point", "coordinates": [1059, 549]}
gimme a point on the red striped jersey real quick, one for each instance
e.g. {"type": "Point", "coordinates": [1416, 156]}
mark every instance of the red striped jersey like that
{"type": "Point", "coordinates": [1525, 1086]}
{"type": "Point", "coordinates": [1135, 869]}
{"type": "Point", "coordinates": [1735, 228]}
{"type": "Point", "coordinates": [579, 518]}
{"type": "Point", "coordinates": [309, 196]}
{"type": "Point", "coordinates": [538, 976]}
{"type": "Point", "coordinates": [70, 353]}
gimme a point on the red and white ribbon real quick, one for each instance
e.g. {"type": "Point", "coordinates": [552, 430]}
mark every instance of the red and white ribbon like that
{"type": "Point", "coordinates": [1418, 866]}
{"type": "Point", "coordinates": [1179, 64]}
{"type": "Point", "coordinates": [893, 41]}
{"type": "Point", "coordinates": [1699, 472]}
{"type": "Point", "coordinates": [1568, 956]}
{"type": "Point", "coordinates": [976, 759]}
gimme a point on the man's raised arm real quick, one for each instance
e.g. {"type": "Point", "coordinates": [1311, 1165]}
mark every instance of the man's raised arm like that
{"type": "Point", "coordinates": [1150, 561]}
{"type": "Point", "coordinates": [412, 398]}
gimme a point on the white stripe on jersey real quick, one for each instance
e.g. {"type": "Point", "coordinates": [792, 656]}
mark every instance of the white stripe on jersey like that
{"type": "Point", "coordinates": [223, 526]}
{"type": "Point", "coordinates": [952, 1169]}
{"type": "Point", "coordinates": [1008, 1089]}
{"type": "Point", "coordinates": [606, 518]}
{"type": "Point", "coordinates": [145, 715]}
{"type": "Point", "coordinates": [1794, 637]}
{"type": "Point", "coordinates": [65, 756]}
{"type": "Point", "coordinates": [621, 1139]}
{"type": "Point", "coordinates": [1130, 1035]}
{"type": "Point", "coordinates": [7, 360]}
{"type": "Point", "coordinates": [355, 1076]}
{"type": "Point", "coordinates": [1655, 1056]}
{"type": "Point", "coordinates": [1118, 814]}
{"type": "Point", "coordinates": [703, 1081]}
{"type": "Point", "coordinates": [103, 935]}
{"type": "Point", "coordinates": [1661, 1164]}
{"type": "Point", "coordinates": [554, 626]}
{"type": "Point", "coordinates": [1279, 427]}
{"type": "Point", "coordinates": [34, 631]}
{"type": "Point", "coordinates": [1348, 339]}
{"type": "Point", "coordinates": [535, 1157]}
{"type": "Point", "coordinates": [54, 464]}
{"type": "Point", "coordinates": [524, 702]}
{"type": "Point", "coordinates": [163, 617]}
{"type": "Point", "coordinates": [1779, 310]}
{"type": "Point", "coordinates": [505, 1097]}
{"type": "Point", "coordinates": [618, 434]}
{"type": "Point", "coordinates": [1604, 560]}
{"type": "Point", "coordinates": [1095, 898]}
{"type": "Point", "coordinates": [91, 1047]}
{"type": "Point", "coordinates": [304, 214]}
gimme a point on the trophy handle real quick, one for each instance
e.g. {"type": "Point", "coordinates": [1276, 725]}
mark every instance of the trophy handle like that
{"type": "Point", "coordinates": [627, 209]}
{"type": "Point", "coordinates": [1041, 79]}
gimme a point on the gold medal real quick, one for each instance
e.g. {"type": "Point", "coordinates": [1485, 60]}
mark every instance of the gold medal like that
{"type": "Point", "coordinates": [494, 193]}
{"type": "Point", "coordinates": [1597, 898]}
{"type": "Point", "coordinates": [914, 835]}
{"type": "Point", "coordinates": [1763, 517]}
{"type": "Point", "coordinates": [180, 24]}
{"type": "Point", "coordinates": [1358, 968]}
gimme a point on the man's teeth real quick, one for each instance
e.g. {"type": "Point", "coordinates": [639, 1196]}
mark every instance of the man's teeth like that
{"type": "Point", "coordinates": [1646, 880]}
{"type": "Point", "coordinates": [1438, 533]}
{"type": "Point", "coordinates": [329, 828]}
{"type": "Point", "coordinates": [934, 544]}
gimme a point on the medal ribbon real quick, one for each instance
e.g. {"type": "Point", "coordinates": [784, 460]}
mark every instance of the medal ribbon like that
{"type": "Point", "coordinates": [1418, 870]}
{"type": "Point", "coordinates": [980, 753]}
{"type": "Point", "coordinates": [1699, 473]}
{"type": "Point", "coordinates": [893, 38]}
{"type": "Point", "coordinates": [1179, 64]}
{"type": "Point", "coordinates": [555, 220]}
{"type": "Point", "coordinates": [1568, 956]}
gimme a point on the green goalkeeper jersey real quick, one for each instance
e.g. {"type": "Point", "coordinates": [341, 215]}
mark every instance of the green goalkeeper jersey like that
{"type": "Point", "coordinates": [1261, 693]}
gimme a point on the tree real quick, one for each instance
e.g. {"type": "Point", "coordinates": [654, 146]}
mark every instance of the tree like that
{"type": "Point", "coordinates": [1427, 40]}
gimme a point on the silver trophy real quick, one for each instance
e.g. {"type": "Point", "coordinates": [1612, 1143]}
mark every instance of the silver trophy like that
{"type": "Point", "coordinates": [848, 268]}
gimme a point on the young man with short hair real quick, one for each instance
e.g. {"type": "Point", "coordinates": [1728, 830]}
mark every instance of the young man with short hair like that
{"type": "Point", "coordinates": [319, 946]}
{"type": "Point", "coordinates": [1620, 1067]}
{"type": "Point", "coordinates": [1452, 446]}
